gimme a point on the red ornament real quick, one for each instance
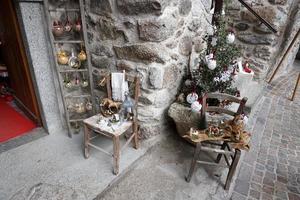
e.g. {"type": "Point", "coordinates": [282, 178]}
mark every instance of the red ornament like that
{"type": "Point", "coordinates": [247, 67]}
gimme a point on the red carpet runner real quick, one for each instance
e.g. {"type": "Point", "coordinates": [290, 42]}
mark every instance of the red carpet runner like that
{"type": "Point", "coordinates": [12, 123]}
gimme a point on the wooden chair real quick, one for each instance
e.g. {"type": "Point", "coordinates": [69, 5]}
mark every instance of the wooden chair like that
{"type": "Point", "coordinates": [90, 125]}
{"type": "Point", "coordinates": [233, 153]}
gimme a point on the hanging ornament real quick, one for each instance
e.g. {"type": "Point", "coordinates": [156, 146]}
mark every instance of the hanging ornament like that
{"type": "Point", "coordinates": [214, 41]}
{"type": "Point", "coordinates": [84, 82]}
{"type": "Point", "coordinates": [78, 26]}
{"type": "Point", "coordinates": [212, 64]}
{"type": "Point", "coordinates": [196, 106]}
{"type": "Point", "coordinates": [76, 81]}
{"type": "Point", "coordinates": [62, 57]}
{"type": "Point", "coordinates": [57, 28]}
{"type": "Point", "coordinates": [89, 106]}
{"type": "Point", "coordinates": [68, 25]}
{"type": "Point", "coordinates": [67, 82]}
{"type": "Point", "coordinates": [80, 108]}
{"type": "Point", "coordinates": [230, 38]}
{"type": "Point", "coordinates": [192, 97]}
{"type": "Point", "coordinates": [74, 62]}
{"type": "Point", "coordinates": [82, 55]}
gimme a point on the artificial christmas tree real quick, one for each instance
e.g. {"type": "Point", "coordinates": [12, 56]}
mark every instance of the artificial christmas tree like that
{"type": "Point", "coordinates": [217, 64]}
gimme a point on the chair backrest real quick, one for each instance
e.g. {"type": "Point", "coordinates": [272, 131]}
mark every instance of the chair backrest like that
{"type": "Point", "coordinates": [221, 97]}
{"type": "Point", "coordinates": [132, 79]}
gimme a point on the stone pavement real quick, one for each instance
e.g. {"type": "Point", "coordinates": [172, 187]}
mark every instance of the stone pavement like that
{"type": "Point", "coordinates": [271, 170]}
{"type": "Point", "coordinates": [53, 167]}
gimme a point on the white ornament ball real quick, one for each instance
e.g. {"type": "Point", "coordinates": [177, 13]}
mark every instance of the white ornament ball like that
{"type": "Point", "coordinates": [212, 64]}
{"type": "Point", "coordinates": [196, 106]}
{"type": "Point", "coordinates": [230, 38]}
{"type": "Point", "coordinates": [192, 97]}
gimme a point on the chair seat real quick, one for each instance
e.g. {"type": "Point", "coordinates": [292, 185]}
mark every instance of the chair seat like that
{"type": "Point", "coordinates": [116, 129]}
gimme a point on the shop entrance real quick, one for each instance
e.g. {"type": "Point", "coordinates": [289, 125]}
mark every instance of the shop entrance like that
{"type": "Point", "coordinates": [19, 110]}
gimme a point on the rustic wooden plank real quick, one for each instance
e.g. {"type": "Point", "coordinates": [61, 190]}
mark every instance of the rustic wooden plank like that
{"type": "Point", "coordinates": [127, 142]}
{"type": "Point", "coordinates": [220, 110]}
{"type": "Point", "coordinates": [223, 96]}
{"type": "Point", "coordinates": [116, 155]}
{"type": "Point", "coordinates": [194, 161]}
{"type": "Point", "coordinates": [86, 141]}
{"type": "Point", "coordinates": [211, 163]}
{"type": "Point", "coordinates": [220, 151]}
{"type": "Point", "coordinates": [232, 168]}
{"type": "Point", "coordinates": [100, 149]}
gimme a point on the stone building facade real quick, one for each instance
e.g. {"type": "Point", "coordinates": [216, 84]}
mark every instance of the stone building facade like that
{"type": "Point", "coordinates": [261, 47]}
{"type": "Point", "coordinates": [152, 38]}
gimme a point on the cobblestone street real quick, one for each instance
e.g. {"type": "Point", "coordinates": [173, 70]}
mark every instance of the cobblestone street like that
{"type": "Point", "coordinates": [271, 170]}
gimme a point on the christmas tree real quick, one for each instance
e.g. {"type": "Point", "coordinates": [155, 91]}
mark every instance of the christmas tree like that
{"type": "Point", "coordinates": [216, 67]}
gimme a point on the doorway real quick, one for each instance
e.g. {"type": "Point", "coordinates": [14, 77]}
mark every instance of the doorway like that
{"type": "Point", "coordinates": [19, 110]}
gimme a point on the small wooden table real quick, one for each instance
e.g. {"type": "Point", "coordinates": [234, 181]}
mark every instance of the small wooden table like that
{"type": "Point", "coordinates": [114, 132]}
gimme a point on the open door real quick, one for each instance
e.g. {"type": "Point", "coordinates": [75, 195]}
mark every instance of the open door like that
{"type": "Point", "coordinates": [13, 54]}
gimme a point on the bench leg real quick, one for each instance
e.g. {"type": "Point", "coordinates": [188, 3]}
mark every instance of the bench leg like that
{"type": "Point", "coordinates": [232, 168]}
{"type": "Point", "coordinates": [86, 141]}
{"type": "Point", "coordinates": [194, 162]}
{"type": "Point", "coordinates": [116, 155]}
{"type": "Point", "coordinates": [136, 137]}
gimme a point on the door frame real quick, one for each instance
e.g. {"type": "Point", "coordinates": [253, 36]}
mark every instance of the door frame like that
{"type": "Point", "coordinates": [27, 55]}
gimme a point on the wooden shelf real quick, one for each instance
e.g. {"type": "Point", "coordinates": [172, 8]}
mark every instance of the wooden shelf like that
{"type": "Point", "coordinates": [77, 96]}
{"type": "Point", "coordinates": [68, 41]}
{"type": "Point", "coordinates": [76, 120]}
{"type": "Point", "coordinates": [64, 9]}
{"type": "Point", "coordinates": [72, 70]}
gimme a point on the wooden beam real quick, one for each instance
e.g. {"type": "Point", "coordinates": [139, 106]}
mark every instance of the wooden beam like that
{"type": "Point", "coordinates": [295, 88]}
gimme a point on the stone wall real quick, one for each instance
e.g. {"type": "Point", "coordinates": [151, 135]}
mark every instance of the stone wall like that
{"type": "Point", "coordinates": [152, 38]}
{"type": "Point", "coordinates": [260, 46]}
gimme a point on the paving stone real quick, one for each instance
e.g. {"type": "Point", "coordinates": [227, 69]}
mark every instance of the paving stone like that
{"type": "Point", "coordinates": [254, 194]}
{"type": "Point", "coordinates": [269, 182]}
{"type": "Point", "coordinates": [293, 196]}
{"type": "Point", "coordinates": [237, 196]}
{"type": "Point", "coordinates": [281, 179]}
{"type": "Point", "coordinates": [242, 187]}
{"type": "Point", "coordinates": [266, 196]}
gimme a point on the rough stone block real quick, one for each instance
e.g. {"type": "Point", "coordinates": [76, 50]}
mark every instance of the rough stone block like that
{"type": "Point", "coordinates": [135, 7]}
{"type": "Point", "coordinates": [108, 30]}
{"type": "Point", "coordinates": [101, 50]}
{"type": "Point", "coordinates": [250, 38]}
{"type": "Point", "coordinates": [185, 45]}
{"type": "Point", "coordinates": [102, 62]}
{"type": "Point", "coordinates": [139, 53]}
{"type": "Point", "coordinates": [280, 2]}
{"type": "Point", "coordinates": [100, 7]}
{"type": "Point", "coordinates": [157, 29]}
{"type": "Point", "coordinates": [262, 52]}
{"type": "Point", "coordinates": [156, 77]}
{"type": "Point", "coordinates": [241, 26]}
{"type": "Point", "coordinates": [185, 7]}
{"type": "Point", "coordinates": [172, 76]}
{"type": "Point", "coordinates": [266, 12]}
